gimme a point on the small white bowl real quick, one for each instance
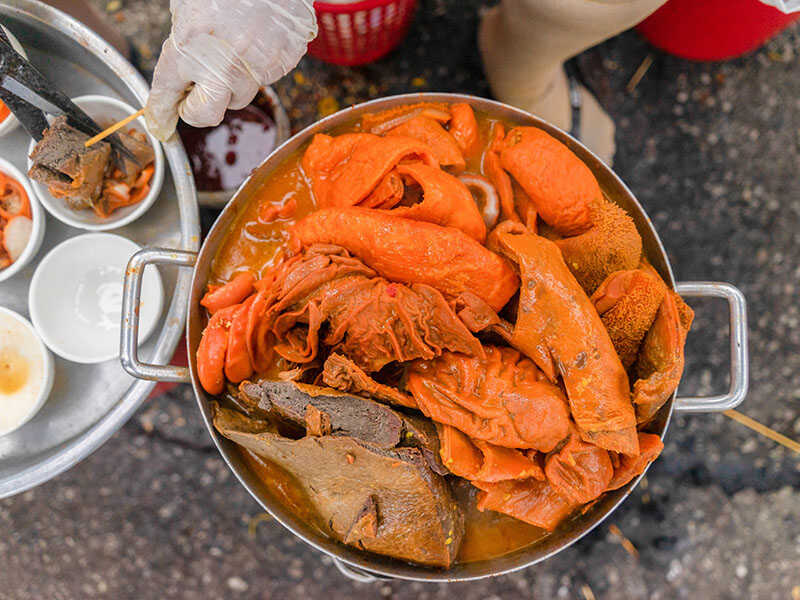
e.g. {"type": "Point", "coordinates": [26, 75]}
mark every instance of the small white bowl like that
{"type": "Point", "coordinates": [38, 217]}
{"type": "Point", "coordinates": [10, 123]}
{"type": "Point", "coordinates": [75, 298]}
{"type": "Point", "coordinates": [105, 111]}
{"type": "Point", "coordinates": [45, 364]}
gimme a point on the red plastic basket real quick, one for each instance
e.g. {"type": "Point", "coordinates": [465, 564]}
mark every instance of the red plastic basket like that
{"type": "Point", "coordinates": [360, 32]}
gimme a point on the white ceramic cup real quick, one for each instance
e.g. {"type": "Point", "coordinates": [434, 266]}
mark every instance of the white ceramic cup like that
{"type": "Point", "coordinates": [46, 376]}
{"type": "Point", "coordinates": [75, 297]}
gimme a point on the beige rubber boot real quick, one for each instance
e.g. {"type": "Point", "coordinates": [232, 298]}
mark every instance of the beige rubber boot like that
{"type": "Point", "coordinates": [524, 44]}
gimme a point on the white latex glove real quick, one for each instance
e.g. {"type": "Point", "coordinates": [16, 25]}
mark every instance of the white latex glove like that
{"type": "Point", "coordinates": [219, 53]}
{"type": "Point", "coordinates": [786, 6]}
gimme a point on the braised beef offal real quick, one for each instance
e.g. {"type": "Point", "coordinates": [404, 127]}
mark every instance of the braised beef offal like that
{"type": "Point", "coordinates": [502, 399]}
{"type": "Point", "coordinates": [87, 178]}
{"type": "Point", "coordinates": [558, 327]}
{"type": "Point", "coordinates": [69, 169]}
{"type": "Point", "coordinates": [481, 314]}
{"type": "Point", "coordinates": [323, 297]}
{"type": "Point", "coordinates": [343, 374]}
{"type": "Point", "coordinates": [222, 157]}
{"type": "Point", "coordinates": [341, 414]}
{"type": "Point", "coordinates": [384, 500]}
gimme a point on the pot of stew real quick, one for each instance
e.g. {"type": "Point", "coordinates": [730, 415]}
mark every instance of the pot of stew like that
{"type": "Point", "coordinates": [436, 338]}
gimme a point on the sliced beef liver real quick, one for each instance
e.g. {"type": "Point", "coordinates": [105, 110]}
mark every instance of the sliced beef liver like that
{"type": "Point", "coordinates": [348, 415]}
{"type": "Point", "coordinates": [421, 433]}
{"type": "Point", "coordinates": [381, 500]}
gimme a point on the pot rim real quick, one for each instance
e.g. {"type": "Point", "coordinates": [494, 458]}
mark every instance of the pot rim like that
{"type": "Point", "coordinates": [376, 565]}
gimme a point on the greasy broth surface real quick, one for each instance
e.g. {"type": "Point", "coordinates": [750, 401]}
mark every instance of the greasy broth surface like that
{"type": "Point", "coordinates": [255, 246]}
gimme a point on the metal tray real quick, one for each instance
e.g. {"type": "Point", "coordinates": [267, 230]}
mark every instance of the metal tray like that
{"type": "Point", "coordinates": [90, 402]}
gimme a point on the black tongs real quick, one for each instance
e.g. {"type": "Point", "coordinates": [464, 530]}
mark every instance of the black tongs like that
{"type": "Point", "coordinates": [29, 95]}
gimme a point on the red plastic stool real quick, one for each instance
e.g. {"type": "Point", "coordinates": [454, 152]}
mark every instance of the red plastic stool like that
{"type": "Point", "coordinates": [713, 29]}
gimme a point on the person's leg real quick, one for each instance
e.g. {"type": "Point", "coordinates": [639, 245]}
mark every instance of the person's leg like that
{"type": "Point", "coordinates": [524, 44]}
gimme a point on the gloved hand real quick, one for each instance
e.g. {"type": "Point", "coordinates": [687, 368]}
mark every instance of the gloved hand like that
{"type": "Point", "coordinates": [219, 53]}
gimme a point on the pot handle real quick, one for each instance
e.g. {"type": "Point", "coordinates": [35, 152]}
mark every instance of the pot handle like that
{"type": "Point", "coordinates": [131, 297]}
{"type": "Point", "coordinates": [740, 362]}
{"type": "Point", "coordinates": [357, 574]}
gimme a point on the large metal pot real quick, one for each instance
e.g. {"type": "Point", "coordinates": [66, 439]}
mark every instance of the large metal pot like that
{"type": "Point", "coordinates": [352, 562]}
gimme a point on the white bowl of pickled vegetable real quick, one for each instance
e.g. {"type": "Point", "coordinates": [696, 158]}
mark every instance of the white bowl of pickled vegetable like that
{"type": "Point", "coordinates": [22, 221]}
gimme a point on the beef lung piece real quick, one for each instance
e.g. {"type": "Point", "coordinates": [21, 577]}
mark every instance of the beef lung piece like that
{"type": "Point", "coordinates": [69, 169]}
{"type": "Point", "coordinates": [353, 416]}
{"type": "Point", "coordinates": [381, 500]}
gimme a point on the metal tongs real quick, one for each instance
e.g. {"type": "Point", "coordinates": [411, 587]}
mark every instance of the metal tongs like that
{"type": "Point", "coordinates": [29, 95]}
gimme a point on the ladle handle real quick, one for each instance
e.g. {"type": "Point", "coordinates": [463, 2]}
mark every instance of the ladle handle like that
{"type": "Point", "coordinates": [740, 361]}
{"type": "Point", "coordinates": [131, 298]}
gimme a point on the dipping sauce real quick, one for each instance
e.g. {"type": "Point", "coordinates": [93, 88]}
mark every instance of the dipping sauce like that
{"type": "Point", "coordinates": [22, 372]}
{"type": "Point", "coordinates": [222, 157]}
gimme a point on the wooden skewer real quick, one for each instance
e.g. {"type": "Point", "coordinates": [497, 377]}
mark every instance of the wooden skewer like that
{"type": "Point", "coordinates": [640, 72]}
{"type": "Point", "coordinates": [763, 429]}
{"type": "Point", "coordinates": [115, 127]}
{"type": "Point", "coordinates": [626, 543]}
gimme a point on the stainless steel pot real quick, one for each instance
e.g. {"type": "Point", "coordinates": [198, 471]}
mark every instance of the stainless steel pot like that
{"type": "Point", "coordinates": [368, 567]}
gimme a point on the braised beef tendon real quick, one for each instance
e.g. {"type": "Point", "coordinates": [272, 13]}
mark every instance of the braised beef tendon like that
{"type": "Point", "coordinates": [383, 500]}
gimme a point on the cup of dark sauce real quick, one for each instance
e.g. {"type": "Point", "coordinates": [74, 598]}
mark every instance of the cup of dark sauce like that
{"type": "Point", "coordinates": [222, 157]}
